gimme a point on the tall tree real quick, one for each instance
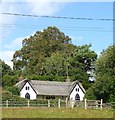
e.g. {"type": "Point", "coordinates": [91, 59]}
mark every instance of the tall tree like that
{"type": "Point", "coordinates": [36, 48]}
{"type": "Point", "coordinates": [81, 63]}
{"type": "Point", "coordinates": [104, 88]}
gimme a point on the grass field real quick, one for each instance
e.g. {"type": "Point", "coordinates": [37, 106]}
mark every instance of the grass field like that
{"type": "Point", "coordinates": [55, 113]}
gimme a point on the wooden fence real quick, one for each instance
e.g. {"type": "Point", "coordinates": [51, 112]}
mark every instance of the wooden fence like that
{"type": "Point", "coordinates": [96, 104]}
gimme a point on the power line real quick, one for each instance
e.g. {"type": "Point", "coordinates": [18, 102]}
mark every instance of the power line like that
{"type": "Point", "coordinates": [60, 17]}
{"type": "Point", "coordinates": [98, 29]}
{"type": "Point", "coordinates": [70, 27]}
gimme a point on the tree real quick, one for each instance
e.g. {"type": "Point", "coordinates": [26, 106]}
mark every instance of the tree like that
{"type": "Point", "coordinates": [9, 77]}
{"type": "Point", "coordinates": [81, 63]}
{"type": "Point", "coordinates": [36, 48]}
{"type": "Point", "coordinates": [104, 87]}
{"type": "Point", "coordinates": [9, 81]}
{"type": "Point", "coordinates": [5, 68]}
{"type": "Point", "coordinates": [55, 65]}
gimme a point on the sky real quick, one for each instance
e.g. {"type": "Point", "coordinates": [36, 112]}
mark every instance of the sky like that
{"type": "Point", "coordinates": [98, 33]}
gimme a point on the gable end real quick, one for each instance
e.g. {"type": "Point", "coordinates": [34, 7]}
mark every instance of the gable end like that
{"type": "Point", "coordinates": [75, 86]}
{"type": "Point", "coordinates": [29, 84]}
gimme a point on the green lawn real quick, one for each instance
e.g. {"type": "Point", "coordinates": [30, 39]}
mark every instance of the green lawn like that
{"type": "Point", "coordinates": [55, 113]}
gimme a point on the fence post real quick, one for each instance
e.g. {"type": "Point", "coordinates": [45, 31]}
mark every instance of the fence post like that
{"type": "Point", "coordinates": [85, 103]}
{"type": "Point", "coordinates": [6, 103]}
{"type": "Point", "coordinates": [96, 104]}
{"type": "Point", "coordinates": [101, 105]}
{"type": "Point", "coordinates": [48, 103]}
{"type": "Point", "coordinates": [28, 103]}
{"type": "Point", "coordinates": [72, 103]}
{"type": "Point", "coordinates": [58, 103]}
{"type": "Point", "coordinates": [66, 102]}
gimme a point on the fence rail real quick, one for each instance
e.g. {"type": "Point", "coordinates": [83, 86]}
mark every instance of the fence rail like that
{"type": "Point", "coordinates": [96, 104]}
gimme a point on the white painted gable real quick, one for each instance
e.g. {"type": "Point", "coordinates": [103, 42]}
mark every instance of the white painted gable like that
{"type": "Point", "coordinates": [27, 89]}
{"type": "Point", "coordinates": [75, 91]}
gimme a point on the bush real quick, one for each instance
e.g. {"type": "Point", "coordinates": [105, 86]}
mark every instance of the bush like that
{"type": "Point", "coordinates": [14, 90]}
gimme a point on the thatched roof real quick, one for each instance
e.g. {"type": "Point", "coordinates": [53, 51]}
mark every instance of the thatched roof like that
{"type": "Point", "coordinates": [51, 87]}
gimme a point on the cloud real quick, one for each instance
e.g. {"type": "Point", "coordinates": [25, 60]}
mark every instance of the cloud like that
{"type": "Point", "coordinates": [10, 48]}
{"type": "Point", "coordinates": [7, 57]}
{"type": "Point", "coordinates": [43, 7]}
{"type": "Point", "coordinates": [98, 53]}
{"type": "Point", "coordinates": [15, 44]}
{"type": "Point", "coordinates": [75, 39]}
{"type": "Point", "coordinates": [7, 7]}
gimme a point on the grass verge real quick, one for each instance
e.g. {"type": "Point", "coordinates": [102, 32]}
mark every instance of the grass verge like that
{"type": "Point", "coordinates": [31, 112]}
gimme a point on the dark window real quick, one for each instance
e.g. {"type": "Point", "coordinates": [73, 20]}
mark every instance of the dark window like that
{"type": "Point", "coordinates": [62, 97]}
{"type": "Point", "coordinates": [50, 97]}
{"type": "Point", "coordinates": [42, 96]}
{"type": "Point", "coordinates": [47, 97]}
{"type": "Point", "coordinates": [77, 89]}
{"type": "Point", "coordinates": [77, 97]}
{"type": "Point", "coordinates": [27, 88]}
{"type": "Point", "coordinates": [27, 96]}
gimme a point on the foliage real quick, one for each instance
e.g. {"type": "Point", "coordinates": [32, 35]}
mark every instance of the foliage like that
{"type": "Point", "coordinates": [9, 81]}
{"type": "Point", "coordinates": [5, 68]}
{"type": "Point", "coordinates": [14, 90]}
{"type": "Point", "coordinates": [104, 87]}
{"type": "Point", "coordinates": [9, 77]}
{"type": "Point", "coordinates": [37, 47]}
{"type": "Point", "coordinates": [46, 77]}
{"type": "Point", "coordinates": [81, 63]}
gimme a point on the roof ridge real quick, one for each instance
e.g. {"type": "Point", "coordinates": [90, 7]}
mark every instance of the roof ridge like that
{"type": "Point", "coordinates": [20, 82]}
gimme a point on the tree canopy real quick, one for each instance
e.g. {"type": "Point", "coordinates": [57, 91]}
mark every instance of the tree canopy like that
{"type": "Point", "coordinates": [104, 87]}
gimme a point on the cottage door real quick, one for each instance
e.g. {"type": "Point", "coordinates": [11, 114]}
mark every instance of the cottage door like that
{"type": "Point", "coordinates": [27, 96]}
{"type": "Point", "coordinates": [77, 97]}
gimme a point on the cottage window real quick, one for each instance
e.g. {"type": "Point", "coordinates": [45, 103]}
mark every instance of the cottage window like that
{"type": "Point", "coordinates": [62, 97]}
{"type": "Point", "coordinates": [47, 97]}
{"type": "Point", "coordinates": [26, 88]}
{"type": "Point", "coordinates": [77, 89]}
{"type": "Point", "coordinates": [50, 97]}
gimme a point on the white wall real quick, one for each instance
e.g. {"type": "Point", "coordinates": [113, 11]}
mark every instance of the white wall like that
{"type": "Point", "coordinates": [74, 92]}
{"type": "Point", "coordinates": [30, 91]}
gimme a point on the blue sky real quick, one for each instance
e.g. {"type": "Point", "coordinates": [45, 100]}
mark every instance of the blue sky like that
{"type": "Point", "coordinates": [99, 33]}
